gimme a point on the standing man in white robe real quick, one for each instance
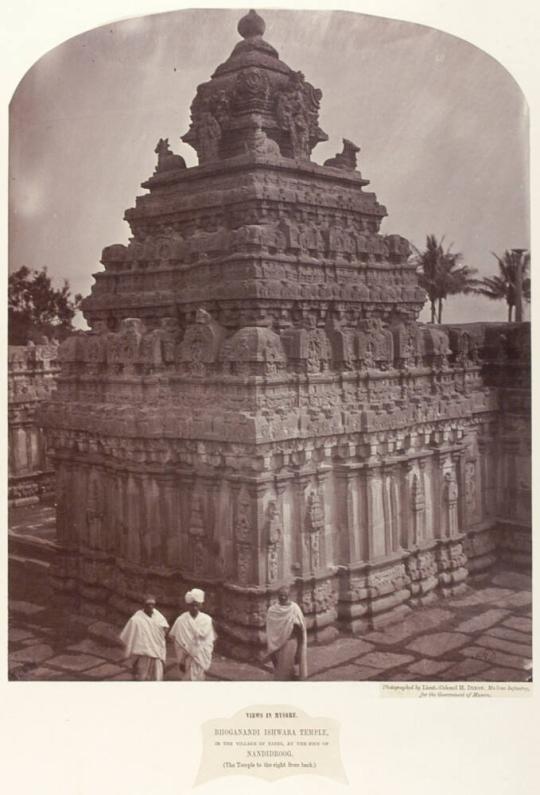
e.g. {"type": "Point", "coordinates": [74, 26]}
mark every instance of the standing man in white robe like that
{"type": "Point", "coordinates": [286, 638]}
{"type": "Point", "coordinates": [144, 640]}
{"type": "Point", "coordinates": [194, 636]}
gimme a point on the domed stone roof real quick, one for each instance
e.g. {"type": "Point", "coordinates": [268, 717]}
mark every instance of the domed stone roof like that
{"type": "Point", "coordinates": [254, 87]}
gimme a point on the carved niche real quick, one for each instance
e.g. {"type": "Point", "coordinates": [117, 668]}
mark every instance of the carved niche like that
{"type": "Point", "coordinates": [313, 526]}
{"type": "Point", "coordinates": [258, 142]}
{"type": "Point", "coordinates": [95, 508]}
{"type": "Point", "coordinates": [297, 113]}
{"type": "Point", "coordinates": [471, 491]}
{"type": "Point", "coordinates": [205, 131]}
{"type": "Point", "coordinates": [436, 347]}
{"type": "Point", "coordinates": [127, 351]}
{"type": "Point", "coordinates": [418, 505]}
{"type": "Point", "coordinates": [308, 346]}
{"type": "Point", "coordinates": [199, 348]}
{"type": "Point", "coordinates": [198, 535]}
{"type": "Point", "coordinates": [254, 349]}
{"type": "Point", "coordinates": [380, 344]}
{"type": "Point", "coordinates": [244, 536]}
{"type": "Point", "coordinates": [451, 496]}
{"type": "Point", "coordinates": [251, 90]}
{"type": "Point", "coordinates": [158, 345]}
{"type": "Point", "coordinates": [273, 534]}
{"type": "Point", "coordinates": [408, 345]}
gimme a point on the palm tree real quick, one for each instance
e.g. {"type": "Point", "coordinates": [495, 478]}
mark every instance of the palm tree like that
{"type": "Point", "coordinates": [503, 286]}
{"type": "Point", "coordinates": [441, 274]}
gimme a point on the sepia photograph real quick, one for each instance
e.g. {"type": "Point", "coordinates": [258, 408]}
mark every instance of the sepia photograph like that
{"type": "Point", "coordinates": [269, 365]}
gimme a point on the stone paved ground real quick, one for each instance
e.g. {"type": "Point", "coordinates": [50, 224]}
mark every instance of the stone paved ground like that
{"type": "Point", "coordinates": [484, 634]}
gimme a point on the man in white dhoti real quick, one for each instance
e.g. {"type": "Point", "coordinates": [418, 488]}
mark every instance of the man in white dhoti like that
{"type": "Point", "coordinates": [194, 636]}
{"type": "Point", "coordinates": [144, 640]}
{"type": "Point", "coordinates": [286, 637]}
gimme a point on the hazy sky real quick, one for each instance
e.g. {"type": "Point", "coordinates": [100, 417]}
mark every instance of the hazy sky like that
{"type": "Point", "coordinates": [442, 128]}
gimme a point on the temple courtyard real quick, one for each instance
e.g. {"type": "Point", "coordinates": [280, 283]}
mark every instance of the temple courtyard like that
{"type": "Point", "coordinates": [484, 634]}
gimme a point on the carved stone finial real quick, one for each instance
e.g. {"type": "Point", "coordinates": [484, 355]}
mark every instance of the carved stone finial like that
{"type": "Point", "coordinates": [251, 25]}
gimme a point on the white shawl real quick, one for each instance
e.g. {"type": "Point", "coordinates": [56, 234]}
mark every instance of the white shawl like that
{"type": "Point", "coordinates": [280, 620]}
{"type": "Point", "coordinates": [196, 637]}
{"type": "Point", "coordinates": [144, 635]}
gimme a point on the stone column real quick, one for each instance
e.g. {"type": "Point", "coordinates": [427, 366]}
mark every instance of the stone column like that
{"type": "Point", "coordinates": [419, 504]}
{"type": "Point", "coordinates": [247, 558]}
{"type": "Point", "coordinates": [300, 544]}
{"type": "Point", "coordinates": [459, 475]}
{"type": "Point", "coordinates": [169, 521]}
{"type": "Point", "coordinates": [348, 514]}
{"type": "Point", "coordinates": [440, 523]}
{"type": "Point", "coordinates": [133, 518]}
{"type": "Point", "coordinates": [374, 514]}
{"type": "Point", "coordinates": [407, 529]}
{"type": "Point", "coordinates": [197, 527]}
{"type": "Point", "coordinates": [486, 449]}
{"type": "Point", "coordinates": [326, 541]}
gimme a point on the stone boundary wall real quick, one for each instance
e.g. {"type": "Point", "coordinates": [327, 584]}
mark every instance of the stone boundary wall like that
{"type": "Point", "coordinates": [32, 374]}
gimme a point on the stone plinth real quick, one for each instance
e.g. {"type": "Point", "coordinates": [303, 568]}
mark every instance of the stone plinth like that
{"type": "Point", "coordinates": [256, 402]}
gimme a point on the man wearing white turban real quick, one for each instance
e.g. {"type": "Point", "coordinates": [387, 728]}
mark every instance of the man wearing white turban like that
{"type": "Point", "coordinates": [286, 638]}
{"type": "Point", "coordinates": [144, 640]}
{"type": "Point", "coordinates": [194, 636]}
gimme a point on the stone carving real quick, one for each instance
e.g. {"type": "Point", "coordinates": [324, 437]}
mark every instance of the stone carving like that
{"type": "Point", "coordinates": [243, 526]}
{"type": "Point", "coordinates": [128, 352]}
{"type": "Point", "coordinates": [198, 534]}
{"type": "Point", "coordinates": [451, 495]}
{"type": "Point", "coordinates": [32, 374]}
{"type": "Point", "coordinates": [251, 25]}
{"type": "Point", "coordinates": [258, 143]}
{"type": "Point", "coordinates": [399, 249]}
{"type": "Point", "coordinates": [167, 160]}
{"type": "Point", "coordinates": [114, 256]}
{"type": "Point", "coordinates": [345, 159]}
{"type": "Point", "coordinates": [254, 349]}
{"type": "Point", "coordinates": [380, 343]}
{"type": "Point", "coordinates": [421, 569]}
{"type": "Point", "coordinates": [244, 535]}
{"type": "Point", "coordinates": [252, 90]}
{"type": "Point", "coordinates": [436, 347]}
{"type": "Point", "coordinates": [310, 346]}
{"type": "Point", "coordinates": [471, 490]}
{"type": "Point", "coordinates": [314, 525]}
{"type": "Point", "coordinates": [201, 343]}
{"type": "Point", "coordinates": [273, 541]}
{"type": "Point", "coordinates": [418, 506]}
{"type": "Point", "coordinates": [158, 346]}
{"type": "Point", "coordinates": [297, 113]}
{"type": "Point", "coordinates": [94, 510]}
{"type": "Point", "coordinates": [408, 345]}
{"type": "Point", "coordinates": [205, 131]}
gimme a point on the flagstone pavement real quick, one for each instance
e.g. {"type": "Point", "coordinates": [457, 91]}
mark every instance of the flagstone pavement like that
{"type": "Point", "coordinates": [482, 635]}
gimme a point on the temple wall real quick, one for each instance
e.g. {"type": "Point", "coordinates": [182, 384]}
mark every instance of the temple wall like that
{"type": "Point", "coordinates": [32, 373]}
{"type": "Point", "coordinates": [366, 525]}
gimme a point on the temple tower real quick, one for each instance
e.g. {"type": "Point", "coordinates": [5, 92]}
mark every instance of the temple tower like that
{"type": "Point", "coordinates": [256, 403]}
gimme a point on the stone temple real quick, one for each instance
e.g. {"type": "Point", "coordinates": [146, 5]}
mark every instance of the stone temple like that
{"type": "Point", "coordinates": [256, 403]}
